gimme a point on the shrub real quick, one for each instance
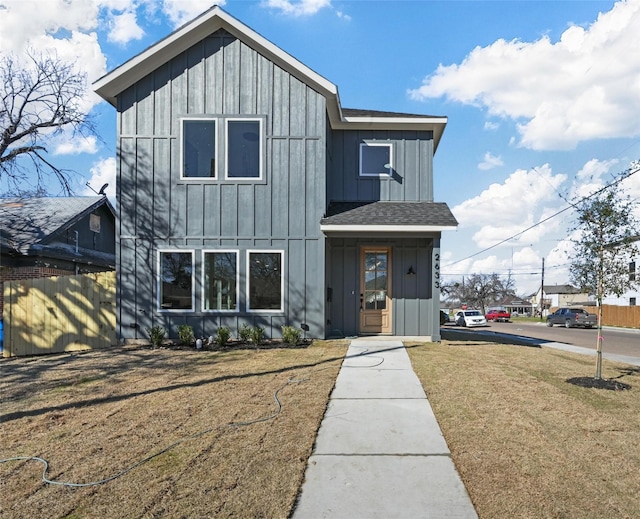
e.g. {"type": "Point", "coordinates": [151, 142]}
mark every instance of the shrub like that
{"type": "Point", "coordinates": [156, 335]}
{"type": "Point", "coordinates": [291, 335]}
{"type": "Point", "coordinates": [257, 335]}
{"type": "Point", "coordinates": [185, 334]}
{"type": "Point", "coordinates": [244, 334]}
{"type": "Point", "coordinates": [222, 336]}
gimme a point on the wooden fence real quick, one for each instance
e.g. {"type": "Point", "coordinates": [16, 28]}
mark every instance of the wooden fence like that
{"type": "Point", "coordinates": [58, 314]}
{"type": "Point", "coordinates": [627, 316]}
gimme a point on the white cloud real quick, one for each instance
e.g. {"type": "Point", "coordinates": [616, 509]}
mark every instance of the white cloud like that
{"type": "Point", "coordinates": [300, 8]}
{"type": "Point", "coordinates": [491, 125]}
{"type": "Point", "coordinates": [584, 86]}
{"type": "Point", "coordinates": [76, 146]}
{"type": "Point", "coordinates": [124, 28]}
{"type": "Point", "coordinates": [183, 11]}
{"type": "Point", "coordinates": [102, 172]}
{"type": "Point", "coordinates": [512, 202]}
{"type": "Point", "coordinates": [490, 161]}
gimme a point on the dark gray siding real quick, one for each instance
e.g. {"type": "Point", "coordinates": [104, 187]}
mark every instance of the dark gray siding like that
{"type": "Point", "coordinates": [159, 210]}
{"type": "Point", "coordinates": [415, 298]}
{"type": "Point", "coordinates": [412, 178]}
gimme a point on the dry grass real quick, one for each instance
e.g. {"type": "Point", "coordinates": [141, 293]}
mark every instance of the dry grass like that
{"type": "Point", "coordinates": [93, 415]}
{"type": "Point", "coordinates": [527, 443]}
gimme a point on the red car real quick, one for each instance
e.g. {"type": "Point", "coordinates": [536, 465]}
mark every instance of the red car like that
{"type": "Point", "coordinates": [498, 314]}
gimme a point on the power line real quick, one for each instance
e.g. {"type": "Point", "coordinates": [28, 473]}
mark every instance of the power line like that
{"type": "Point", "coordinates": [622, 177]}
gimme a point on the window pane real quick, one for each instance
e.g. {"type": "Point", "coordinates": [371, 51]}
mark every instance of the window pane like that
{"type": "Point", "coordinates": [375, 159]}
{"type": "Point", "coordinates": [265, 281]}
{"type": "Point", "coordinates": [220, 269]}
{"type": "Point", "coordinates": [370, 260]}
{"type": "Point", "coordinates": [243, 149]}
{"type": "Point", "coordinates": [198, 149]}
{"type": "Point", "coordinates": [175, 287]}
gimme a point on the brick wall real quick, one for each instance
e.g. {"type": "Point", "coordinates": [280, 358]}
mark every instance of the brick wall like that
{"type": "Point", "coordinates": [18, 273]}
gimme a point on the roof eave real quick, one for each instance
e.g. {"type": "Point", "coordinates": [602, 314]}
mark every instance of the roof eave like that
{"type": "Point", "coordinates": [331, 228]}
{"type": "Point", "coordinates": [435, 124]}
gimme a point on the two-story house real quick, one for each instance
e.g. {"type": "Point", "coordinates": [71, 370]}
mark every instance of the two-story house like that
{"type": "Point", "coordinates": [248, 195]}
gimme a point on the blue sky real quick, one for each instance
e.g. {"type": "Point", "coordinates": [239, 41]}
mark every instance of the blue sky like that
{"type": "Point", "coordinates": [543, 97]}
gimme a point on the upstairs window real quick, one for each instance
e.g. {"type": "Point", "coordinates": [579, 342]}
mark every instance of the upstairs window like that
{"type": "Point", "coordinates": [632, 271]}
{"type": "Point", "coordinates": [176, 280]}
{"type": "Point", "coordinates": [244, 148]}
{"type": "Point", "coordinates": [376, 159]}
{"type": "Point", "coordinates": [198, 148]}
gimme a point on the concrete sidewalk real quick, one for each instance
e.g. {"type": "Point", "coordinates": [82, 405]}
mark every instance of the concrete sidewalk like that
{"type": "Point", "coordinates": [379, 451]}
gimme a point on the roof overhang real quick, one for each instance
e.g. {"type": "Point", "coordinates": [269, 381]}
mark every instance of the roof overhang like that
{"type": "Point", "coordinates": [395, 229]}
{"type": "Point", "coordinates": [413, 123]}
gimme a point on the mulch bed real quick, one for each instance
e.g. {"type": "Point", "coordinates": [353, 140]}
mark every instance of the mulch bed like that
{"type": "Point", "coordinates": [599, 383]}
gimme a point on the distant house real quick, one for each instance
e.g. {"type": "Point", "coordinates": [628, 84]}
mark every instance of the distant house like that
{"type": "Point", "coordinates": [631, 297]}
{"type": "Point", "coordinates": [559, 295]}
{"type": "Point", "coordinates": [247, 195]}
{"type": "Point", "coordinates": [43, 237]}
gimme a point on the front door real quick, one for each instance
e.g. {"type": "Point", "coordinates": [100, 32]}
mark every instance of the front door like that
{"type": "Point", "coordinates": [375, 290]}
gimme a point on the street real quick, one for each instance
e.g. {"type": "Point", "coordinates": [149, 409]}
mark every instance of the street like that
{"type": "Point", "coordinates": [619, 341]}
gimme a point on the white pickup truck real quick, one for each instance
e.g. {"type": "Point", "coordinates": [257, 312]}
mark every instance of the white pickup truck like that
{"type": "Point", "coordinates": [572, 317]}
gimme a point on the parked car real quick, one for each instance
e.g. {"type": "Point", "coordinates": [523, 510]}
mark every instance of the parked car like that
{"type": "Point", "coordinates": [470, 318]}
{"type": "Point", "coordinates": [498, 314]}
{"type": "Point", "coordinates": [572, 317]}
{"type": "Point", "coordinates": [444, 317]}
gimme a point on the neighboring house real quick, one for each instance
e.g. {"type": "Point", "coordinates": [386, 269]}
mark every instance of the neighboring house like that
{"type": "Point", "coordinates": [43, 237]}
{"type": "Point", "coordinates": [559, 295]}
{"type": "Point", "coordinates": [631, 297]}
{"type": "Point", "coordinates": [248, 195]}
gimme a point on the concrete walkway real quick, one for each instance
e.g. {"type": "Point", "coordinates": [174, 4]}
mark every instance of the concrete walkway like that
{"type": "Point", "coordinates": [379, 451]}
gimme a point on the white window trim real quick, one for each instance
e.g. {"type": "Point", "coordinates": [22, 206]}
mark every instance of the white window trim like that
{"type": "Point", "coordinates": [159, 276]}
{"type": "Point", "coordinates": [216, 146]}
{"type": "Point", "coordinates": [369, 144]}
{"type": "Point", "coordinates": [248, 280]}
{"type": "Point", "coordinates": [222, 251]}
{"type": "Point", "coordinates": [260, 122]}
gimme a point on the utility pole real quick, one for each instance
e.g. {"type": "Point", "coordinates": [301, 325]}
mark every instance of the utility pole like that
{"type": "Point", "coordinates": [542, 291]}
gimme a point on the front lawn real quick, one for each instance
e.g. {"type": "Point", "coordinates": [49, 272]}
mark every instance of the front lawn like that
{"type": "Point", "coordinates": [95, 414]}
{"type": "Point", "coordinates": [526, 442]}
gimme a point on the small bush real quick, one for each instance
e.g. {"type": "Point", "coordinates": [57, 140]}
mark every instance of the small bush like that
{"type": "Point", "coordinates": [244, 334]}
{"type": "Point", "coordinates": [222, 336]}
{"type": "Point", "coordinates": [185, 334]}
{"type": "Point", "coordinates": [291, 335]}
{"type": "Point", "coordinates": [156, 335]}
{"type": "Point", "coordinates": [257, 335]}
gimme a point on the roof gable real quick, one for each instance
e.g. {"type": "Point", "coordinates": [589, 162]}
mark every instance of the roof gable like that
{"type": "Point", "coordinates": [118, 80]}
{"type": "Point", "coordinates": [127, 74]}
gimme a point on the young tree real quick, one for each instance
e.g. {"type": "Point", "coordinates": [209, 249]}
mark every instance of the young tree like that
{"type": "Point", "coordinates": [37, 101]}
{"type": "Point", "coordinates": [607, 242]}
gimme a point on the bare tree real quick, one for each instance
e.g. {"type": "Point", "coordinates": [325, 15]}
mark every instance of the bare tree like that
{"type": "Point", "coordinates": [608, 234]}
{"type": "Point", "coordinates": [37, 101]}
{"type": "Point", "coordinates": [480, 290]}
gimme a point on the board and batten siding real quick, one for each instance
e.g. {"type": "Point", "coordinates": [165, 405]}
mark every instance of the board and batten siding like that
{"type": "Point", "coordinates": [220, 76]}
{"type": "Point", "coordinates": [415, 298]}
{"type": "Point", "coordinates": [412, 178]}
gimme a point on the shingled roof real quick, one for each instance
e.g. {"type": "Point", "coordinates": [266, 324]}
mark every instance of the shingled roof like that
{"type": "Point", "coordinates": [388, 216]}
{"type": "Point", "coordinates": [27, 222]}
